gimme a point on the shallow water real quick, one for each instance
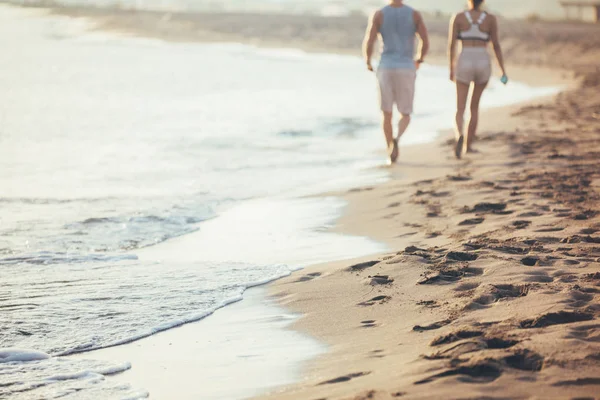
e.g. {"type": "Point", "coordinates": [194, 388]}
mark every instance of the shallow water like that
{"type": "Point", "coordinates": [110, 146]}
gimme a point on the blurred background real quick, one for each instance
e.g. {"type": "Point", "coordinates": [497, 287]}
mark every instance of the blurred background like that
{"type": "Point", "coordinates": [549, 9]}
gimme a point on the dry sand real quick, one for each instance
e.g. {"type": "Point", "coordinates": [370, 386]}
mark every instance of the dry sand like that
{"type": "Point", "coordinates": [492, 290]}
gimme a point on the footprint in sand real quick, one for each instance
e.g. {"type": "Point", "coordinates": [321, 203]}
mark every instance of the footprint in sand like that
{"type": "Point", "coordinates": [486, 208]}
{"type": "Point", "coordinates": [356, 190]}
{"type": "Point", "coordinates": [581, 239]}
{"type": "Point", "coordinates": [456, 336]}
{"type": "Point", "coordinates": [377, 353]}
{"type": "Point", "coordinates": [380, 280]}
{"type": "Point", "coordinates": [472, 345]}
{"type": "Point", "coordinates": [520, 224]}
{"type": "Point", "coordinates": [565, 276]}
{"type": "Point", "coordinates": [309, 277]}
{"type": "Point", "coordinates": [550, 229]}
{"type": "Point", "coordinates": [362, 266]}
{"type": "Point", "coordinates": [449, 275]}
{"type": "Point", "coordinates": [490, 369]}
{"type": "Point", "coordinates": [490, 294]}
{"type": "Point", "coordinates": [375, 300]}
{"type": "Point", "coordinates": [433, 326]}
{"type": "Point", "coordinates": [465, 287]}
{"type": "Point", "coordinates": [525, 360]}
{"type": "Point", "coordinates": [344, 378]}
{"type": "Point", "coordinates": [433, 212]}
{"type": "Point", "coordinates": [530, 214]}
{"type": "Point", "coordinates": [545, 240]}
{"type": "Point", "coordinates": [579, 382]}
{"type": "Point", "coordinates": [472, 221]}
{"type": "Point", "coordinates": [453, 256]}
{"type": "Point", "coordinates": [407, 234]}
{"type": "Point", "coordinates": [370, 323]}
{"type": "Point", "coordinates": [482, 372]}
{"type": "Point", "coordinates": [538, 277]}
{"type": "Point", "coordinates": [589, 333]}
{"type": "Point", "coordinates": [530, 261]}
{"type": "Point", "coordinates": [556, 318]}
{"type": "Point", "coordinates": [585, 215]}
{"type": "Point", "coordinates": [424, 182]}
{"type": "Point", "coordinates": [428, 303]}
{"type": "Point", "coordinates": [458, 178]}
{"type": "Point", "coordinates": [578, 298]}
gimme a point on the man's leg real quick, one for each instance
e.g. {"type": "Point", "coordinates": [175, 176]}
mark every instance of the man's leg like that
{"type": "Point", "coordinates": [388, 131]}
{"type": "Point", "coordinates": [405, 95]}
{"type": "Point", "coordinates": [403, 124]}
{"type": "Point", "coordinates": [386, 102]}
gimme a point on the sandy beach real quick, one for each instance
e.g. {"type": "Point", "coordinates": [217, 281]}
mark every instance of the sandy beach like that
{"type": "Point", "coordinates": [491, 290]}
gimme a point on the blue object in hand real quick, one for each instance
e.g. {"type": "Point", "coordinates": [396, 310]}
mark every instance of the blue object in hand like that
{"type": "Point", "coordinates": [504, 79]}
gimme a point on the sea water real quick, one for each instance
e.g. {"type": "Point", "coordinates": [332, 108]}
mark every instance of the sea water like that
{"type": "Point", "coordinates": [111, 146]}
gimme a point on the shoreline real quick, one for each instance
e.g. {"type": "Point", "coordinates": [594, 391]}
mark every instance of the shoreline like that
{"type": "Point", "coordinates": [244, 341]}
{"type": "Point", "coordinates": [324, 367]}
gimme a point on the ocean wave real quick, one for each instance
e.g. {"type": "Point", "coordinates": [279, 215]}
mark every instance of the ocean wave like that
{"type": "Point", "coordinates": [88, 308]}
{"type": "Point", "coordinates": [21, 355]}
{"type": "Point", "coordinates": [53, 378]}
{"type": "Point", "coordinates": [47, 258]}
{"type": "Point", "coordinates": [49, 200]}
{"type": "Point", "coordinates": [180, 321]}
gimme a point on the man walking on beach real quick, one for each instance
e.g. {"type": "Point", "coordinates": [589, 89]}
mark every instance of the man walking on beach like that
{"type": "Point", "coordinates": [398, 25]}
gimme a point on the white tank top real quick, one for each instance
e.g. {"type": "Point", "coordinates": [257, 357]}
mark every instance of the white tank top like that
{"type": "Point", "coordinates": [474, 32]}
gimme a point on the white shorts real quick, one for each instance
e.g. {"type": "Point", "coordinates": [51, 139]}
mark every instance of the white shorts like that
{"type": "Point", "coordinates": [474, 65]}
{"type": "Point", "coordinates": [397, 86]}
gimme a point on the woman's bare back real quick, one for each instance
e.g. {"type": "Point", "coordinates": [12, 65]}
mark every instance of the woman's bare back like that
{"type": "Point", "coordinates": [462, 24]}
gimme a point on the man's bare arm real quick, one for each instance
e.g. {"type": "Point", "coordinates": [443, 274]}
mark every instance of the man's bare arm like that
{"type": "Point", "coordinates": [371, 37]}
{"type": "Point", "coordinates": [423, 35]}
{"type": "Point", "coordinates": [452, 44]}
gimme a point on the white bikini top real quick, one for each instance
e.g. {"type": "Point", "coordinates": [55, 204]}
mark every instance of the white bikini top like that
{"type": "Point", "coordinates": [474, 33]}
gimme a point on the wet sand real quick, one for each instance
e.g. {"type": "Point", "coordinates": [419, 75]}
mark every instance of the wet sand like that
{"type": "Point", "coordinates": [243, 341]}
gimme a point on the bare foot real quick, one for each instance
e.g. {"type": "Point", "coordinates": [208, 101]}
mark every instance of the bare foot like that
{"type": "Point", "coordinates": [471, 150]}
{"type": "Point", "coordinates": [395, 152]}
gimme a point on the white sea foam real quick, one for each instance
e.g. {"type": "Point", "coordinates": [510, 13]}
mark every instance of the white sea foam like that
{"type": "Point", "coordinates": [21, 355]}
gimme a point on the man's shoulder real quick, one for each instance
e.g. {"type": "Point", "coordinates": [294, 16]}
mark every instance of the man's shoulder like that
{"type": "Point", "coordinates": [377, 16]}
{"type": "Point", "coordinates": [416, 14]}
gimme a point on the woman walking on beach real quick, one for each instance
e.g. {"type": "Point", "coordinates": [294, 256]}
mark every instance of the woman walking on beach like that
{"type": "Point", "coordinates": [475, 28]}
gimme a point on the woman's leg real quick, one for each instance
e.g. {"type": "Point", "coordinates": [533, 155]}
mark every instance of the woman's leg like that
{"type": "Point", "coordinates": [472, 131]}
{"type": "Point", "coordinates": [462, 92]}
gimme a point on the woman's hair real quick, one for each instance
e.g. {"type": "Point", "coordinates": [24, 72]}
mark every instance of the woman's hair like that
{"type": "Point", "coordinates": [477, 3]}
